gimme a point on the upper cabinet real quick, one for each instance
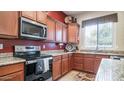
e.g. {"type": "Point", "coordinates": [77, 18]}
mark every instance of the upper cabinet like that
{"type": "Point", "coordinates": [29, 14]}
{"type": "Point", "coordinates": [8, 24]}
{"type": "Point", "coordinates": [73, 32]}
{"type": "Point", "coordinates": [38, 16]}
{"type": "Point", "coordinates": [51, 29]}
{"type": "Point", "coordinates": [58, 32]}
{"type": "Point", "coordinates": [41, 17]}
{"type": "Point", "coordinates": [64, 33]}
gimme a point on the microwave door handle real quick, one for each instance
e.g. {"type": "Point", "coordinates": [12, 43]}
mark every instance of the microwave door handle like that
{"type": "Point", "coordinates": [44, 32]}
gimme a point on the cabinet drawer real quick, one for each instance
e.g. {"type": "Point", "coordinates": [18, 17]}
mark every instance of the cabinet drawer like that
{"type": "Point", "coordinates": [102, 56]}
{"type": "Point", "coordinates": [89, 55]}
{"type": "Point", "coordinates": [78, 55]}
{"type": "Point", "coordinates": [89, 64]}
{"type": "Point", "coordinates": [65, 56]}
{"type": "Point", "coordinates": [4, 70]}
{"type": "Point", "coordinates": [56, 58]}
{"type": "Point", "coordinates": [17, 76]}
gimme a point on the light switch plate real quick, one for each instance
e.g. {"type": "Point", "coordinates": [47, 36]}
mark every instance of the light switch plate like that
{"type": "Point", "coordinates": [44, 46]}
{"type": "Point", "coordinates": [1, 46]}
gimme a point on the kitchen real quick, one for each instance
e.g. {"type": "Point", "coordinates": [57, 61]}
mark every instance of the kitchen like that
{"type": "Point", "coordinates": [61, 46]}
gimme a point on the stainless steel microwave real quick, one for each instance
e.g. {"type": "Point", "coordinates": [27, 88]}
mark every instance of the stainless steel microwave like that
{"type": "Point", "coordinates": [32, 30]}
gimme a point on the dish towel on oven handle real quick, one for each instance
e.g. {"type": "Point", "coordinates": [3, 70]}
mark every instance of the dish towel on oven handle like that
{"type": "Point", "coordinates": [46, 65]}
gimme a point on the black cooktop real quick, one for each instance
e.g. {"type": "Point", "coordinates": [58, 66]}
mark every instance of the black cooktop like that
{"type": "Point", "coordinates": [33, 57]}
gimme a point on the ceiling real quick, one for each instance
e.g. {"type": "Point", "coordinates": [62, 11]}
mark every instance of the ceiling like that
{"type": "Point", "coordinates": [73, 13]}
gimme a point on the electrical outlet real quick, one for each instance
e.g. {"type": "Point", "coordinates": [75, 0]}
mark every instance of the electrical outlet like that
{"type": "Point", "coordinates": [1, 46]}
{"type": "Point", "coordinates": [44, 46]}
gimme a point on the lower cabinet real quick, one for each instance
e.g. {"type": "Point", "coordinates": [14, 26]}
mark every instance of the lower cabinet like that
{"type": "Point", "coordinates": [60, 66]}
{"type": "Point", "coordinates": [14, 72]}
{"type": "Point", "coordinates": [56, 68]}
{"type": "Point", "coordinates": [83, 62]}
{"type": "Point", "coordinates": [87, 62]}
{"type": "Point", "coordinates": [65, 66]}
{"type": "Point", "coordinates": [96, 65]}
{"type": "Point", "coordinates": [17, 76]}
{"type": "Point", "coordinates": [89, 65]}
{"type": "Point", "coordinates": [78, 63]}
{"type": "Point", "coordinates": [71, 60]}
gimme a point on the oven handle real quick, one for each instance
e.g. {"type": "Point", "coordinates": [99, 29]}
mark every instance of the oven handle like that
{"type": "Point", "coordinates": [31, 62]}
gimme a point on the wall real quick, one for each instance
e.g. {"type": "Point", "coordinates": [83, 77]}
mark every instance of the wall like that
{"type": "Point", "coordinates": [57, 15]}
{"type": "Point", "coordinates": [9, 43]}
{"type": "Point", "coordinates": [119, 27]}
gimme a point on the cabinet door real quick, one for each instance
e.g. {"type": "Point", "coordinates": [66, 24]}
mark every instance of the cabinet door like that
{"type": "Point", "coordinates": [89, 64]}
{"type": "Point", "coordinates": [73, 30]}
{"type": "Point", "coordinates": [51, 29]}
{"type": "Point", "coordinates": [64, 66]}
{"type": "Point", "coordinates": [64, 34]}
{"type": "Point", "coordinates": [56, 69]}
{"type": "Point", "coordinates": [70, 62]}
{"type": "Point", "coordinates": [17, 76]}
{"type": "Point", "coordinates": [77, 66]}
{"type": "Point", "coordinates": [29, 14]}
{"type": "Point", "coordinates": [78, 63]}
{"type": "Point", "coordinates": [41, 17]}
{"type": "Point", "coordinates": [58, 32]}
{"type": "Point", "coordinates": [96, 65]}
{"type": "Point", "coordinates": [8, 24]}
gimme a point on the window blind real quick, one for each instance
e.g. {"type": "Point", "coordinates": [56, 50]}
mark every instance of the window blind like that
{"type": "Point", "coordinates": [100, 20]}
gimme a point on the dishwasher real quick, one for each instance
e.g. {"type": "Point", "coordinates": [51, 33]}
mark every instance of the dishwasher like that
{"type": "Point", "coordinates": [117, 57]}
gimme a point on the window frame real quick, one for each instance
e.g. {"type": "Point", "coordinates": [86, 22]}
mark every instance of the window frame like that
{"type": "Point", "coordinates": [101, 48]}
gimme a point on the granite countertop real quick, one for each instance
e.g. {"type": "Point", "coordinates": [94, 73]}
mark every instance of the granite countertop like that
{"type": "Point", "coordinates": [10, 60]}
{"type": "Point", "coordinates": [98, 53]}
{"type": "Point", "coordinates": [110, 70]}
{"type": "Point", "coordinates": [61, 53]}
{"type": "Point", "coordinates": [102, 53]}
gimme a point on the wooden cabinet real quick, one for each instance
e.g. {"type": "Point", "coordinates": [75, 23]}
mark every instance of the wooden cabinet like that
{"type": "Point", "coordinates": [56, 68]}
{"type": "Point", "coordinates": [73, 30]}
{"type": "Point", "coordinates": [65, 63]}
{"type": "Point", "coordinates": [41, 17]}
{"type": "Point", "coordinates": [58, 32]}
{"type": "Point", "coordinates": [29, 14]}
{"type": "Point", "coordinates": [14, 72]}
{"type": "Point", "coordinates": [64, 35]}
{"type": "Point", "coordinates": [96, 65]}
{"type": "Point", "coordinates": [65, 66]}
{"type": "Point", "coordinates": [78, 61]}
{"type": "Point", "coordinates": [89, 64]}
{"type": "Point", "coordinates": [9, 24]}
{"type": "Point", "coordinates": [70, 62]}
{"type": "Point", "coordinates": [18, 76]}
{"type": "Point", "coordinates": [51, 29]}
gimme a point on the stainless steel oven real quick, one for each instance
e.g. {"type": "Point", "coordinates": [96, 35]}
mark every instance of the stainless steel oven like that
{"type": "Point", "coordinates": [31, 29]}
{"type": "Point", "coordinates": [38, 67]}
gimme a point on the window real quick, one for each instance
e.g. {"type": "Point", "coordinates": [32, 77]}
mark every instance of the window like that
{"type": "Point", "coordinates": [99, 32]}
{"type": "Point", "coordinates": [99, 36]}
{"type": "Point", "coordinates": [90, 36]}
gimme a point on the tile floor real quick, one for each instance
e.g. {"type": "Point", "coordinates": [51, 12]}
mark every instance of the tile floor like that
{"type": "Point", "coordinates": [78, 76]}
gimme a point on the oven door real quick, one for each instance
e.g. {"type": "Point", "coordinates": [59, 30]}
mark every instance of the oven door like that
{"type": "Point", "coordinates": [32, 29]}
